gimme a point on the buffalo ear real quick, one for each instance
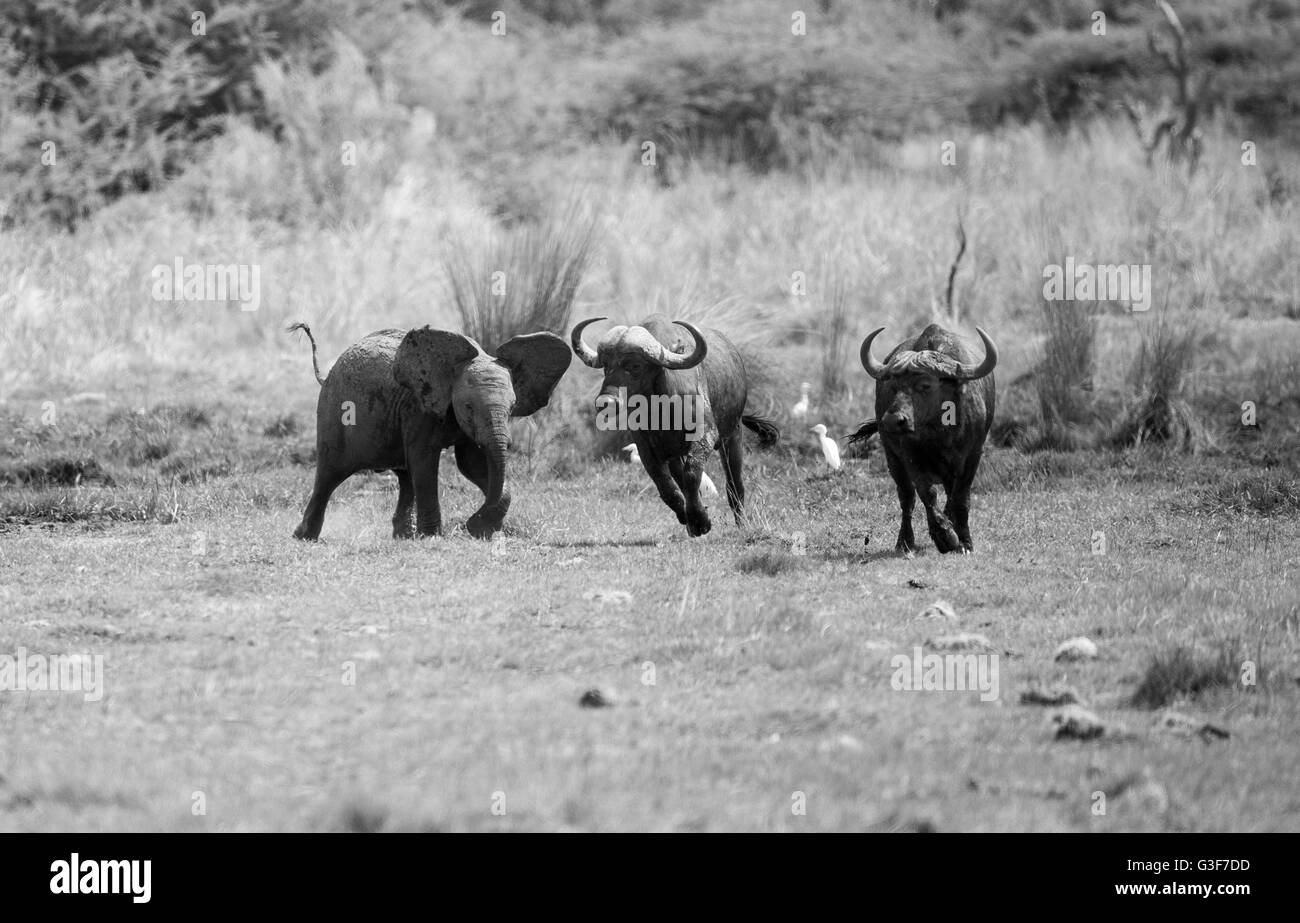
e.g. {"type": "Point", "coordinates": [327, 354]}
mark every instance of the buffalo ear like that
{"type": "Point", "coordinates": [537, 362]}
{"type": "Point", "coordinates": [428, 361]}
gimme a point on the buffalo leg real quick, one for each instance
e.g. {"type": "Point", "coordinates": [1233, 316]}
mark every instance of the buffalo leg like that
{"type": "Point", "coordinates": [405, 501]}
{"type": "Point", "coordinates": [686, 472]}
{"type": "Point", "coordinates": [732, 450]}
{"type": "Point", "coordinates": [669, 492]}
{"type": "Point", "coordinates": [941, 530]}
{"type": "Point", "coordinates": [313, 517]}
{"type": "Point", "coordinates": [906, 543]}
{"type": "Point", "coordinates": [959, 501]}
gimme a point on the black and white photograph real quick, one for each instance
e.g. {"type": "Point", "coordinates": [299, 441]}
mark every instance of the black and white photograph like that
{"type": "Point", "coordinates": [650, 416]}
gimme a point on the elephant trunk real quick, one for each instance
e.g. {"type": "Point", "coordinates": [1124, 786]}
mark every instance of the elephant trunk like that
{"type": "Point", "coordinates": [496, 472]}
{"type": "Point", "coordinates": [490, 516]}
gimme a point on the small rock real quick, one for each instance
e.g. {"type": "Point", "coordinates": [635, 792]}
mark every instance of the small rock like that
{"type": "Point", "coordinates": [1075, 722]}
{"type": "Point", "coordinates": [1079, 648]}
{"type": "Point", "coordinates": [1052, 695]}
{"type": "Point", "coordinates": [608, 597]}
{"type": "Point", "coordinates": [939, 609]}
{"type": "Point", "coordinates": [1183, 725]}
{"type": "Point", "coordinates": [774, 738]}
{"type": "Point", "coordinates": [849, 742]}
{"type": "Point", "coordinates": [88, 397]}
{"type": "Point", "coordinates": [595, 698]}
{"type": "Point", "coordinates": [963, 641]}
{"type": "Point", "coordinates": [917, 584]}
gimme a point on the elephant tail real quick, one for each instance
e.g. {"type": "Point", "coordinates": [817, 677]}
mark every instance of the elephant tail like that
{"type": "Point", "coordinates": [767, 431]}
{"type": "Point", "coordinates": [307, 330]}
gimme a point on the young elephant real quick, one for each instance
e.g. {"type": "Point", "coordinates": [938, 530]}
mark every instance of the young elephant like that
{"type": "Point", "coordinates": [706, 389]}
{"type": "Point", "coordinates": [395, 400]}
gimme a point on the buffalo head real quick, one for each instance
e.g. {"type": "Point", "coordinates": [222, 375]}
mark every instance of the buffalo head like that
{"type": "Point", "coordinates": [633, 358]}
{"type": "Point", "coordinates": [924, 385]}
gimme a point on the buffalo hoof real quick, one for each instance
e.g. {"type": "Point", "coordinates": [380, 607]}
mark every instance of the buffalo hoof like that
{"type": "Point", "coordinates": [698, 525]}
{"type": "Point", "coordinates": [482, 527]}
{"type": "Point", "coordinates": [947, 542]}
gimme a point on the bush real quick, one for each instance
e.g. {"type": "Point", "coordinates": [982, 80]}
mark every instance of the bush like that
{"type": "Point", "coordinates": [1161, 415]}
{"type": "Point", "coordinates": [1064, 378]}
{"type": "Point", "coordinates": [524, 279]}
{"type": "Point", "coordinates": [770, 103]}
{"type": "Point", "coordinates": [1182, 671]}
{"type": "Point", "coordinates": [109, 99]}
{"type": "Point", "coordinates": [1058, 76]}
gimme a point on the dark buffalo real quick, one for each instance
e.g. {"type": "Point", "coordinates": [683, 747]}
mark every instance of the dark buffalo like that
{"type": "Point", "coordinates": [647, 366]}
{"type": "Point", "coordinates": [934, 407]}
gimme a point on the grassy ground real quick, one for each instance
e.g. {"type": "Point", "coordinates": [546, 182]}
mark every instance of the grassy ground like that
{"type": "Point", "coordinates": [155, 456]}
{"type": "Point", "coordinates": [226, 669]}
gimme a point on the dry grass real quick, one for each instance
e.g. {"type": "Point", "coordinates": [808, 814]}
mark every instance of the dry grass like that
{"type": "Point", "coordinates": [230, 642]}
{"type": "Point", "coordinates": [524, 279]}
{"type": "Point", "coordinates": [1183, 672]}
{"type": "Point", "coordinates": [231, 655]}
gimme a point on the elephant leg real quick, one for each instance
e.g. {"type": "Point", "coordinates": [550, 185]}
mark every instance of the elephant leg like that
{"type": "Point", "coordinates": [313, 517]}
{"type": "Point", "coordinates": [473, 463]}
{"type": "Point", "coordinates": [405, 501]}
{"type": "Point", "coordinates": [687, 473]}
{"type": "Point", "coordinates": [732, 451]}
{"type": "Point", "coordinates": [422, 466]}
{"type": "Point", "coordinates": [940, 526]}
{"type": "Point", "coordinates": [669, 492]}
{"type": "Point", "coordinates": [906, 543]}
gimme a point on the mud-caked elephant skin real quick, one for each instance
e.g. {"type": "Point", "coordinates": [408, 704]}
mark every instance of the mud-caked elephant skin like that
{"type": "Point", "coordinates": [397, 398]}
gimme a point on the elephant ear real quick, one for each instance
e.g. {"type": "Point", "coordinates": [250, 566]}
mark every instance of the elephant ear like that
{"type": "Point", "coordinates": [537, 362]}
{"type": "Point", "coordinates": [428, 361]}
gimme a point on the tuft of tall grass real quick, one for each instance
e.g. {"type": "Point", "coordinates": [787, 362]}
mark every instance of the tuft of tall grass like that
{"type": "Point", "coordinates": [1266, 493]}
{"type": "Point", "coordinates": [1064, 377]}
{"type": "Point", "coordinates": [523, 279]}
{"type": "Point", "coordinates": [834, 348]}
{"type": "Point", "coordinates": [1161, 412]}
{"type": "Point", "coordinates": [1182, 671]}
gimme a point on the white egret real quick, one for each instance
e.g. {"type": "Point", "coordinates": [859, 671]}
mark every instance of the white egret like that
{"type": "Point", "coordinates": [800, 410]}
{"type": "Point", "coordinates": [830, 451]}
